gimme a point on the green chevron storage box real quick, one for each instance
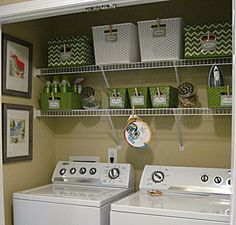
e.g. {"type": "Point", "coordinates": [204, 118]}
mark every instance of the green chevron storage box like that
{"type": "Point", "coordinates": [62, 101]}
{"type": "Point", "coordinates": [74, 51]}
{"type": "Point", "coordinates": [139, 97]}
{"type": "Point", "coordinates": [208, 40]}
{"type": "Point", "coordinates": [219, 97]}
{"type": "Point", "coordinates": [118, 98]}
{"type": "Point", "coordinates": [164, 97]}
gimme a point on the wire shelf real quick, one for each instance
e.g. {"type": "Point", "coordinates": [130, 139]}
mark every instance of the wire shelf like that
{"type": "Point", "coordinates": [134, 66]}
{"type": "Point", "coordinates": [139, 112]}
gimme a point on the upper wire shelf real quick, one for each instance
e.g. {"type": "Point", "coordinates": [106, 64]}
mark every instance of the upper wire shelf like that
{"type": "Point", "coordinates": [138, 112]}
{"type": "Point", "coordinates": [134, 66]}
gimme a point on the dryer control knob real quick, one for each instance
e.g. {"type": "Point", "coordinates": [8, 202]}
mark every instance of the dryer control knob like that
{"type": "Point", "coordinates": [82, 170]}
{"type": "Point", "coordinates": [218, 180]}
{"type": "Point", "coordinates": [204, 178]}
{"type": "Point", "coordinates": [158, 176]}
{"type": "Point", "coordinates": [92, 171]}
{"type": "Point", "coordinates": [114, 173]}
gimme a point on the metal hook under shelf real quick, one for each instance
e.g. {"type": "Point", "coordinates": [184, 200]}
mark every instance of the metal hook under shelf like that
{"type": "Point", "coordinates": [179, 132]}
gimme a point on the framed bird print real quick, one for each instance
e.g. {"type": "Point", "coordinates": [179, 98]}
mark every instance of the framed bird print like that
{"type": "Point", "coordinates": [17, 132]}
{"type": "Point", "coordinates": [16, 67]}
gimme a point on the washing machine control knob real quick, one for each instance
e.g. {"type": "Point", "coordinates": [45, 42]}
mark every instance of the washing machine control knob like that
{"type": "Point", "coordinates": [114, 173]}
{"type": "Point", "coordinates": [158, 176]}
{"type": "Point", "coordinates": [204, 178]}
{"type": "Point", "coordinates": [92, 171]}
{"type": "Point", "coordinates": [62, 171]}
{"type": "Point", "coordinates": [218, 180]}
{"type": "Point", "coordinates": [82, 170]}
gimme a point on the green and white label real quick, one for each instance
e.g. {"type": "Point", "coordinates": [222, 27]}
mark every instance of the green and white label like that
{"type": "Point", "coordinates": [54, 104]}
{"type": "Point", "coordinates": [116, 101]}
{"type": "Point", "coordinates": [159, 100]}
{"type": "Point", "coordinates": [226, 100]}
{"type": "Point", "coordinates": [137, 100]}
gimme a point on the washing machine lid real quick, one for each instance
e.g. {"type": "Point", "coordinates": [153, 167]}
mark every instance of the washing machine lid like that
{"type": "Point", "coordinates": [73, 194]}
{"type": "Point", "coordinates": [192, 206]}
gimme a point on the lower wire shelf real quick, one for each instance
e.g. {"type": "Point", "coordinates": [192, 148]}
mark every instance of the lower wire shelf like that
{"type": "Point", "coordinates": [138, 112]}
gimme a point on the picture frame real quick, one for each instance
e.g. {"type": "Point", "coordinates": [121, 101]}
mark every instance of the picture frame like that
{"type": "Point", "coordinates": [17, 132]}
{"type": "Point", "coordinates": [16, 67]}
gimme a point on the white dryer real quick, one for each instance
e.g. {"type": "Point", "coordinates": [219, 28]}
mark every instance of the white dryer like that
{"type": "Point", "coordinates": [177, 196]}
{"type": "Point", "coordinates": [80, 194]}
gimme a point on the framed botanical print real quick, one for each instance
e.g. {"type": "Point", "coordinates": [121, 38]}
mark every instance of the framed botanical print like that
{"type": "Point", "coordinates": [17, 132]}
{"type": "Point", "coordinates": [16, 67]}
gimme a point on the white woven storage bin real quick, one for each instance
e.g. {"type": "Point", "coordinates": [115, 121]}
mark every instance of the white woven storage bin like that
{"type": "Point", "coordinates": [116, 43]}
{"type": "Point", "coordinates": [161, 39]}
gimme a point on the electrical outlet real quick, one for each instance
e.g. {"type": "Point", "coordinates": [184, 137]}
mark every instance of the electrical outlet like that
{"type": "Point", "coordinates": [112, 155]}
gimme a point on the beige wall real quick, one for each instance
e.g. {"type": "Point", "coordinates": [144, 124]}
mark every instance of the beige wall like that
{"type": "Point", "coordinates": [205, 143]}
{"type": "Point", "coordinates": [21, 175]}
{"type": "Point", "coordinates": [206, 138]}
{"type": "Point", "coordinates": [189, 10]}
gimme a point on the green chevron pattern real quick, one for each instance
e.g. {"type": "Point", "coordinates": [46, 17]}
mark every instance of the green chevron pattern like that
{"type": "Point", "coordinates": [214, 96]}
{"type": "Point", "coordinates": [81, 51]}
{"type": "Point", "coordinates": [193, 34]}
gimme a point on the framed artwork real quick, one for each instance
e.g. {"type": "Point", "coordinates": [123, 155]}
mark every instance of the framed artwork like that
{"type": "Point", "coordinates": [17, 132]}
{"type": "Point", "coordinates": [16, 67]}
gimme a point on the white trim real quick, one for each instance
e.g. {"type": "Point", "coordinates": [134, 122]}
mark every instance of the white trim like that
{"type": "Point", "coordinates": [233, 154]}
{"type": "Point", "coordinates": [42, 8]}
{"type": "Point", "coordinates": [2, 216]}
{"type": "Point", "coordinates": [121, 3]}
{"type": "Point", "coordinates": [36, 9]}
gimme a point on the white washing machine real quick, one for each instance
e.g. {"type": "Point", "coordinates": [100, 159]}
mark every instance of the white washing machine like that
{"type": "Point", "coordinates": [177, 196]}
{"type": "Point", "coordinates": [80, 194]}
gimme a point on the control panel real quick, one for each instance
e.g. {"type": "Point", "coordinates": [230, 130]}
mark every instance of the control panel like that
{"type": "Point", "coordinates": [207, 180]}
{"type": "Point", "coordinates": [99, 174]}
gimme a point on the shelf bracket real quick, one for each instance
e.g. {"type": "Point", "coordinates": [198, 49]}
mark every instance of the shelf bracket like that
{"type": "Point", "coordinates": [36, 73]}
{"type": "Point", "coordinates": [176, 72]}
{"type": "Point", "coordinates": [105, 77]}
{"type": "Point", "coordinates": [114, 131]}
{"type": "Point", "coordinates": [35, 113]}
{"type": "Point", "coordinates": [179, 132]}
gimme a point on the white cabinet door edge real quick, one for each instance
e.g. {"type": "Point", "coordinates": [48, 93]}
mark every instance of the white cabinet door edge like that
{"type": "Point", "coordinates": [233, 154]}
{"type": "Point", "coordinates": [2, 216]}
